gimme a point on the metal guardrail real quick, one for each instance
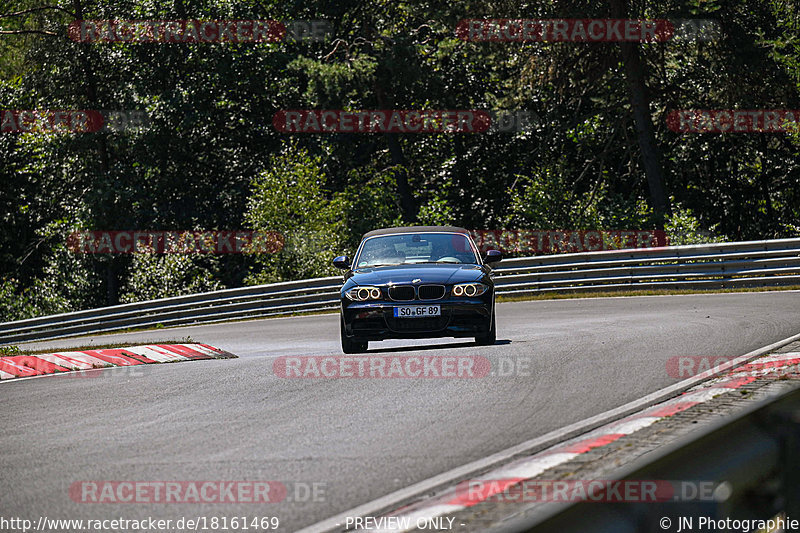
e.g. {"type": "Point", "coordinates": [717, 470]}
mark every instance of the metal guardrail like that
{"type": "Point", "coordinates": [752, 456]}
{"type": "Point", "coordinates": [718, 265]}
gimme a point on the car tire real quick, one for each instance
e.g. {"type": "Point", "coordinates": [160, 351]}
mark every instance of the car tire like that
{"type": "Point", "coordinates": [350, 345]}
{"type": "Point", "coordinates": [490, 337]}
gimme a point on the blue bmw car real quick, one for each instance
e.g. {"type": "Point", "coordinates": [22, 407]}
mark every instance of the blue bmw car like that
{"type": "Point", "coordinates": [417, 282]}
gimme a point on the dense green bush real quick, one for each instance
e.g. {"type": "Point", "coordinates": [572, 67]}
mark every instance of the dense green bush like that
{"type": "Point", "coordinates": [210, 158]}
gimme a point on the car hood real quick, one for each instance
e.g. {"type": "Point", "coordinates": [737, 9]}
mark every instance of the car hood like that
{"type": "Point", "coordinates": [438, 274]}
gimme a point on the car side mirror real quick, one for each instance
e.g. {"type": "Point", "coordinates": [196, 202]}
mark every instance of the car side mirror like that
{"type": "Point", "coordinates": [342, 262]}
{"type": "Point", "coordinates": [493, 256]}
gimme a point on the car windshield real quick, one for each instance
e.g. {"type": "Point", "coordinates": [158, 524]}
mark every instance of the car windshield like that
{"type": "Point", "coordinates": [411, 248]}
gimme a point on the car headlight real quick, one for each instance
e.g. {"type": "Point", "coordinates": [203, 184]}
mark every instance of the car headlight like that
{"type": "Point", "coordinates": [362, 294]}
{"type": "Point", "coordinates": [469, 289]}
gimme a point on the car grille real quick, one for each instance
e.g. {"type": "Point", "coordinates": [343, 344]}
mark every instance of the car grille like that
{"type": "Point", "coordinates": [431, 292]}
{"type": "Point", "coordinates": [402, 292]}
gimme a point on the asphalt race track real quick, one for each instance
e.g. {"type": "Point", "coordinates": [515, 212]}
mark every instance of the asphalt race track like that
{"type": "Point", "coordinates": [356, 439]}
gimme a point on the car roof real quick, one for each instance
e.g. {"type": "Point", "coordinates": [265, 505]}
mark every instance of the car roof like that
{"type": "Point", "coordinates": [415, 229]}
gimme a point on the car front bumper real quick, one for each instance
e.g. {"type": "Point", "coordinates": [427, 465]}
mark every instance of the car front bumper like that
{"type": "Point", "coordinates": [373, 321]}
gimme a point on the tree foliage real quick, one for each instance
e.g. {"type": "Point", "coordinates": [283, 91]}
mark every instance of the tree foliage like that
{"type": "Point", "coordinates": [210, 159]}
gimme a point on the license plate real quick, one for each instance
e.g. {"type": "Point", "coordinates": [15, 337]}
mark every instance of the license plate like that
{"type": "Point", "coordinates": [417, 311]}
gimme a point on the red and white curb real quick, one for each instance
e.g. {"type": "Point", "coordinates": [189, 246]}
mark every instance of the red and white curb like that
{"type": "Point", "coordinates": [24, 366]}
{"type": "Point", "coordinates": [451, 500]}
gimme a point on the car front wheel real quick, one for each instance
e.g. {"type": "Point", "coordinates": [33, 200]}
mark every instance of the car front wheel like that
{"type": "Point", "coordinates": [490, 337]}
{"type": "Point", "coordinates": [350, 345]}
